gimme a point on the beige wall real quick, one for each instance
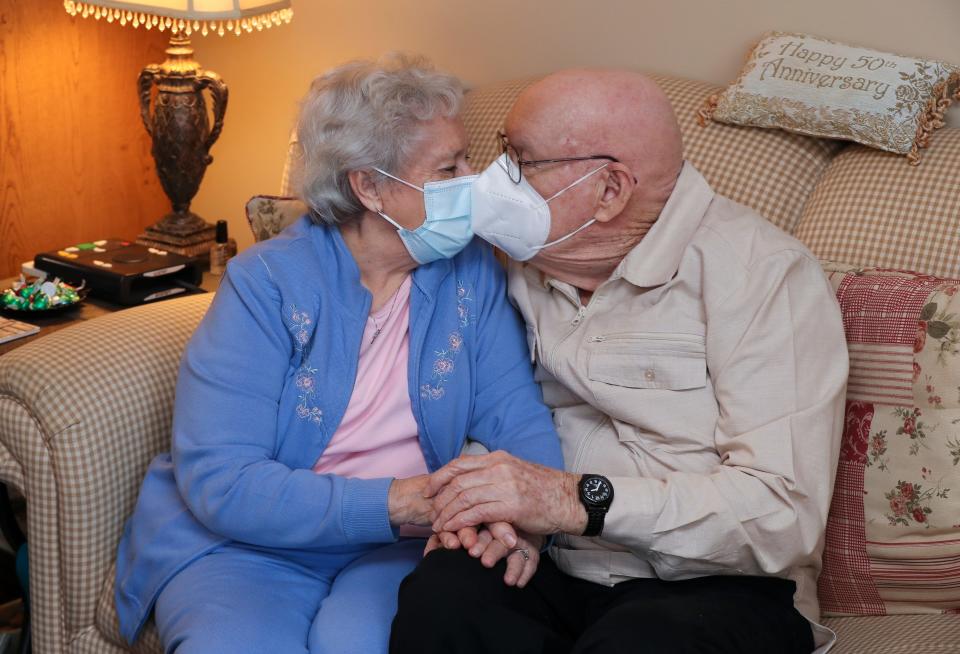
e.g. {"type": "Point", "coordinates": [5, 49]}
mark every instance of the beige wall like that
{"type": "Point", "coordinates": [488, 40]}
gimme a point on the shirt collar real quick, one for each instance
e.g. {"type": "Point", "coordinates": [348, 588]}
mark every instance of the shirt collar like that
{"type": "Point", "coordinates": [656, 258]}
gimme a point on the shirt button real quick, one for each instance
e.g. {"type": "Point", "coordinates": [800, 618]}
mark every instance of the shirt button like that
{"type": "Point", "coordinates": [650, 374]}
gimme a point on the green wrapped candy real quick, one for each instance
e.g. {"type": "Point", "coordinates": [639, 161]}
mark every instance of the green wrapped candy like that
{"type": "Point", "coordinates": [38, 295]}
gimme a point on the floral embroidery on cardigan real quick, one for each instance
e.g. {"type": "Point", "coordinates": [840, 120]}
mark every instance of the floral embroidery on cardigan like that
{"type": "Point", "coordinates": [301, 320]}
{"type": "Point", "coordinates": [305, 378]}
{"type": "Point", "coordinates": [444, 364]}
{"type": "Point", "coordinates": [307, 383]}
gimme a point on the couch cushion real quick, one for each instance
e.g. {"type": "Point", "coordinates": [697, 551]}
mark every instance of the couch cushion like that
{"type": "Point", "coordinates": [893, 533]}
{"type": "Point", "coordinates": [771, 171]}
{"type": "Point", "coordinates": [871, 210]}
{"type": "Point", "coordinates": [896, 634]}
{"type": "Point", "coordinates": [483, 115]}
{"type": "Point", "coordinates": [108, 624]}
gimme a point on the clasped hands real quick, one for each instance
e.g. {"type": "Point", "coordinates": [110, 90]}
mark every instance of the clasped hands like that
{"type": "Point", "coordinates": [494, 506]}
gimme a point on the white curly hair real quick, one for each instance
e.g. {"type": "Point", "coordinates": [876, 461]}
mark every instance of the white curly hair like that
{"type": "Point", "coordinates": [365, 114]}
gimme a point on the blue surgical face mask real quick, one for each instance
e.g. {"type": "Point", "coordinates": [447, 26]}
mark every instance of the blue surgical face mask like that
{"type": "Point", "coordinates": [447, 227]}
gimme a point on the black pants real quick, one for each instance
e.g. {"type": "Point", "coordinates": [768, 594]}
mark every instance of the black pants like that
{"type": "Point", "coordinates": [452, 604]}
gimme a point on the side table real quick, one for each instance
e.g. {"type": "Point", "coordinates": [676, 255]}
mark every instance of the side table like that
{"type": "Point", "coordinates": [91, 308]}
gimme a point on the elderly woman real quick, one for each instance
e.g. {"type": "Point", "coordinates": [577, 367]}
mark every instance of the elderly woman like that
{"type": "Point", "coordinates": [339, 364]}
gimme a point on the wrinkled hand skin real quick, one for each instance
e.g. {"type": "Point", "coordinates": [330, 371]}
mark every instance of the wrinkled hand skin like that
{"type": "Point", "coordinates": [407, 504]}
{"type": "Point", "coordinates": [475, 490]}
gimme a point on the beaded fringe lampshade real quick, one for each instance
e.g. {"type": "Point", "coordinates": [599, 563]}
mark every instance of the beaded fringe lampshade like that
{"type": "Point", "coordinates": [182, 132]}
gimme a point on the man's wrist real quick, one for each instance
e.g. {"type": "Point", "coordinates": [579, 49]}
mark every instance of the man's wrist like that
{"type": "Point", "coordinates": [576, 514]}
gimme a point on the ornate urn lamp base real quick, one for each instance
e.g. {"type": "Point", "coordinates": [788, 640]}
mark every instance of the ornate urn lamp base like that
{"type": "Point", "coordinates": [194, 243]}
{"type": "Point", "coordinates": [182, 138]}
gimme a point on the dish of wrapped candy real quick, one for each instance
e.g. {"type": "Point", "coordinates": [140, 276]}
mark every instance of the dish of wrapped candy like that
{"type": "Point", "coordinates": [40, 296]}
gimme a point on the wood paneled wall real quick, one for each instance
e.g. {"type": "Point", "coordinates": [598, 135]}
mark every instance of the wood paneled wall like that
{"type": "Point", "coordinates": [75, 160]}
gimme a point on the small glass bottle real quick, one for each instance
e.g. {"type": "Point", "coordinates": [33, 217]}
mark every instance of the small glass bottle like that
{"type": "Point", "coordinates": [222, 250]}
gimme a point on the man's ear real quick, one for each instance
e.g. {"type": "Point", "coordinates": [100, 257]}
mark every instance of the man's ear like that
{"type": "Point", "coordinates": [363, 186]}
{"type": "Point", "coordinates": [618, 184]}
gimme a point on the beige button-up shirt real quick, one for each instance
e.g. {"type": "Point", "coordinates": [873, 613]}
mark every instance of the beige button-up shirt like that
{"type": "Point", "coordinates": [706, 379]}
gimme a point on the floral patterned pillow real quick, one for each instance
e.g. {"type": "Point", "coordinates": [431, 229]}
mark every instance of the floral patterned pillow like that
{"type": "Point", "coordinates": [268, 215]}
{"type": "Point", "coordinates": [893, 533]}
{"type": "Point", "coordinates": [814, 86]}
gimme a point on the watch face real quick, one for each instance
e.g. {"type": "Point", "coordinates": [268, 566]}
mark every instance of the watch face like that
{"type": "Point", "coordinates": [596, 490]}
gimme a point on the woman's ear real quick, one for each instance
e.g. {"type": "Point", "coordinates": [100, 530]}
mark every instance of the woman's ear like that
{"type": "Point", "coordinates": [363, 186]}
{"type": "Point", "coordinates": [615, 191]}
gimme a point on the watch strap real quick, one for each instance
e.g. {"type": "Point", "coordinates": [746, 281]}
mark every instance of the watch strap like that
{"type": "Point", "coordinates": [595, 517]}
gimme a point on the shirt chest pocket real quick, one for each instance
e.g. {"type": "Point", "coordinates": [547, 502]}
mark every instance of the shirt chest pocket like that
{"type": "Point", "coordinates": [665, 361]}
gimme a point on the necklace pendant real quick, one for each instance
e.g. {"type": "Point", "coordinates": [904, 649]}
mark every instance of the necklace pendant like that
{"type": "Point", "coordinates": [375, 334]}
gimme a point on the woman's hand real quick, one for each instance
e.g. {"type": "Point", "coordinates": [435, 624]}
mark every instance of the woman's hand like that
{"type": "Point", "coordinates": [406, 503]}
{"type": "Point", "coordinates": [523, 554]}
{"type": "Point", "coordinates": [522, 560]}
{"type": "Point", "coordinates": [468, 536]}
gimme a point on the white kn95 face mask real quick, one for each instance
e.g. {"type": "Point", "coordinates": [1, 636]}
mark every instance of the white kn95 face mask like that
{"type": "Point", "coordinates": [514, 216]}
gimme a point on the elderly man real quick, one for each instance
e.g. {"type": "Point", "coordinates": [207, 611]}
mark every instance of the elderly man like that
{"type": "Point", "coordinates": [694, 358]}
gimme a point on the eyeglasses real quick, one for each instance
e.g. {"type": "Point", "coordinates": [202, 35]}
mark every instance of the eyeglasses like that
{"type": "Point", "coordinates": [516, 162]}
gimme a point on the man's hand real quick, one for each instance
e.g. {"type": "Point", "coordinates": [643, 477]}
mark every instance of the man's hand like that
{"type": "Point", "coordinates": [498, 487]}
{"type": "Point", "coordinates": [523, 556]}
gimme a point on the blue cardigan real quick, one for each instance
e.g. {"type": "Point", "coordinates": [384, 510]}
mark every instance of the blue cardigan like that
{"type": "Point", "coordinates": [265, 381]}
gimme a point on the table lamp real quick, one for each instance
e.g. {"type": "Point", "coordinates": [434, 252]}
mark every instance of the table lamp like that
{"type": "Point", "coordinates": [179, 126]}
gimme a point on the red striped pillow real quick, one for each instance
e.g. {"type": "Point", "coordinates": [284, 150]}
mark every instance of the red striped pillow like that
{"type": "Point", "coordinates": [893, 534]}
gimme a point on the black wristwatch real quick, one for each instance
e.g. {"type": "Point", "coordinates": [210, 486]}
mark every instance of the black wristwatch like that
{"type": "Point", "coordinates": [596, 493]}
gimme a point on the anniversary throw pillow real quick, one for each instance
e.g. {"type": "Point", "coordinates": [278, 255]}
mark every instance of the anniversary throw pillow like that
{"type": "Point", "coordinates": [818, 87]}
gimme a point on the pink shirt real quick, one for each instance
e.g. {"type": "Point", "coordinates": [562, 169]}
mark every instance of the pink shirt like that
{"type": "Point", "coordinates": [378, 436]}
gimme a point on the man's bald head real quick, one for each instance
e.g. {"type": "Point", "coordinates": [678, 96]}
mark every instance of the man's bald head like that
{"type": "Point", "coordinates": [586, 113]}
{"type": "Point", "coordinates": [582, 111]}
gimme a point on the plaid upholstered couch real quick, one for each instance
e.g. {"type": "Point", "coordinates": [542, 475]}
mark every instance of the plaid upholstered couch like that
{"type": "Point", "coordinates": [83, 410]}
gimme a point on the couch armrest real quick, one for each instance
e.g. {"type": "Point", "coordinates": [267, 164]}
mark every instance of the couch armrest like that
{"type": "Point", "coordinates": [82, 413]}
